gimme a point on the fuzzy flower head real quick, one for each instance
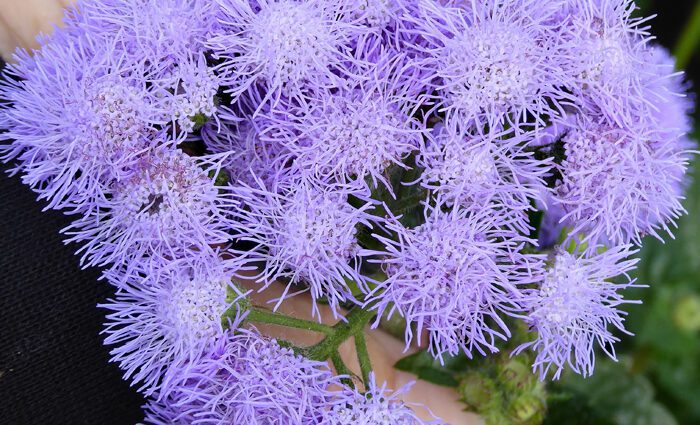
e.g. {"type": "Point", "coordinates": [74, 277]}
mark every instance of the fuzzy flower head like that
{"type": "Point", "coordinates": [282, 47]}
{"type": "Point", "coordinates": [475, 171]}
{"type": "Point", "coordinates": [247, 379]}
{"type": "Point", "coordinates": [194, 87]}
{"type": "Point", "coordinates": [78, 116]}
{"type": "Point", "coordinates": [377, 406]}
{"type": "Point", "coordinates": [673, 103]}
{"type": "Point", "coordinates": [606, 64]}
{"type": "Point", "coordinates": [619, 185]}
{"type": "Point", "coordinates": [362, 129]}
{"type": "Point", "coordinates": [573, 308]}
{"type": "Point", "coordinates": [305, 232]}
{"type": "Point", "coordinates": [495, 61]}
{"type": "Point", "coordinates": [162, 319]}
{"type": "Point", "coordinates": [453, 276]}
{"type": "Point", "coordinates": [253, 155]}
{"type": "Point", "coordinates": [157, 31]}
{"type": "Point", "coordinates": [170, 203]}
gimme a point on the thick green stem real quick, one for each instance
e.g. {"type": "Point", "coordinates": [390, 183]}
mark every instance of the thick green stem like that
{"type": "Point", "coordinates": [363, 357]}
{"type": "Point", "coordinates": [357, 319]}
{"type": "Point", "coordinates": [342, 369]}
{"type": "Point", "coordinates": [688, 41]}
{"type": "Point", "coordinates": [263, 316]}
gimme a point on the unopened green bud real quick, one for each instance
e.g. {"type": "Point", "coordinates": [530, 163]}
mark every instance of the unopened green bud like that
{"type": "Point", "coordinates": [516, 376]}
{"type": "Point", "coordinates": [478, 392]}
{"type": "Point", "coordinates": [527, 409]}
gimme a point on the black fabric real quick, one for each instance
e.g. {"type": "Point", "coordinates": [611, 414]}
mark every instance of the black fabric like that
{"type": "Point", "coordinates": [53, 366]}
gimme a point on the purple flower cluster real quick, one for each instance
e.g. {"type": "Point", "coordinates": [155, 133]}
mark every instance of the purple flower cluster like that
{"type": "Point", "coordinates": [380, 154]}
{"type": "Point", "coordinates": [250, 379]}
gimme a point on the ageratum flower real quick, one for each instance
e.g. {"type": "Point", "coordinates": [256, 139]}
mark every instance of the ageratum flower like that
{"type": "Point", "coordinates": [359, 130]}
{"type": "Point", "coordinates": [254, 155]}
{"type": "Point", "coordinates": [497, 63]}
{"type": "Point", "coordinates": [249, 379]}
{"type": "Point", "coordinates": [673, 105]}
{"type": "Point", "coordinates": [79, 116]}
{"type": "Point", "coordinates": [162, 319]}
{"type": "Point", "coordinates": [305, 232]}
{"type": "Point", "coordinates": [454, 276]}
{"type": "Point", "coordinates": [618, 185]}
{"type": "Point", "coordinates": [377, 406]}
{"type": "Point", "coordinates": [478, 171]}
{"type": "Point", "coordinates": [573, 308]}
{"type": "Point", "coordinates": [168, 209]}
{"type": "Point", "coordinates": [606, 58]}
{"type": "Point", "coordinates": [156, 31]}
{"type": "Point", "coordinates": [281, 47]}
{"type": "Point", "coordinates": [194, 86]}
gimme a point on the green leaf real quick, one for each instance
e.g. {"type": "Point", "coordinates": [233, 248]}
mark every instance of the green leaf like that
{"type": "Point", "coordinates": [614, 393]}
{"type": "Point", "coordinates": [425, 367]}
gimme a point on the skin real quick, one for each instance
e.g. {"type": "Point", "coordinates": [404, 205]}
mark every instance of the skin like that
{"type": "Point", "coordinates": [22, 20]}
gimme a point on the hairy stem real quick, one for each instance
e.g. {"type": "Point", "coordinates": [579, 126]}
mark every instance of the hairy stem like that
{"type": "Point", "coordinates": [363, 357]}
{"type": "Point", "coordinates": [355, 323]}
{"type": "Point", "coordinates": [269, 317]}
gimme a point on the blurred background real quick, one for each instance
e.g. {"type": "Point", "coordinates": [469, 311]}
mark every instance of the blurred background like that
{"type": "Point", "coordinates": [657, 378]}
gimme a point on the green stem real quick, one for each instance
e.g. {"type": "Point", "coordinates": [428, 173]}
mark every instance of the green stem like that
{"type": "Point", "coordinates": [363, 357]}
{"type": "Point", "coordinates": [688, 41]}
{"type": "Point", "coordinates": [342, 369]}
{"type": "Point", "coordinates": [357, 319]}
{"type": "Point", "coordinates": [263, 316]}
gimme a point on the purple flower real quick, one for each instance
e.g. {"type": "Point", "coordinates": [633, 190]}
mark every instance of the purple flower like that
{"type": "Point", "coordinates": [377, 406]}
{"type": "Point", "coordinates": [160, 320]}
{"type": "Point", "coordinates": [79, 116]}
{"type": "Point", "coordinates": [194, 87]}
{"type": "Point", "coordinates": [248, 379]}
{"type": "Point", "coordinates": [305, 232]}
{"type": "Point", "coordinates": [254, 155]}
{"type": "Point", "coordinates": [606, 58]}
{"type": "Point", "coordinates": [168, 209]}
{"type": "Point", "coordinates": [572, 309]}
{"type": "Point", "coordinates": [478, 171]}
{"type": "Point", "coordinates": [497, 63]}
{"type": "Point", "coordinates": [280, 47]}
{"type": "Point", "coordinates": [158, 31]}
{"type": "Point", "coordinates": [673, 103]}
{"type": "Point", "coordinates": [359, 130]}
{"type": "Point", "coordinates": [618, 185]}
{"type": "Point", "coordinates": [453, 277]}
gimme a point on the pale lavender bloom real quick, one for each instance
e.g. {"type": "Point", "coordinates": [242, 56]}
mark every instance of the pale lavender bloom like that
{"type": "Point", "coordinates": [167, 209]}
{"type": "Point", "coordinates": [249, 379]}
{"type": "Point", "coordinates": [360, 129]}
{"type": "Point", "coordinates": [79, 116]}
{"type": "Point", "coordinates": [478, 171]}
{"type": "Point", "coordinates": [618, 185]}
{"type": "Point", "coordinates": [194, 86]}
{"type": "Point", "coordinates": [574, 307]}
{"type": "Point", "coordinates": [160, 32]}
{"type": "Point", "coordinates": [376, 406]}
{"type": "Point", "coordinates": [606, 58]}
{"type": "Point", "coordinates": [164, 319]}
{"type": "Point", "coordinates": [672, 101]}
{"type": "Point", "coordinates": [255, 155]}
{"type": "Point", "coordinates": [453, 277]}
{"type": "Point", "coordinates": [497, 63]}
{"type": "Point", "coordinates": [305, 232]}
{"type": "Point", "coordinates": [280, 48]}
